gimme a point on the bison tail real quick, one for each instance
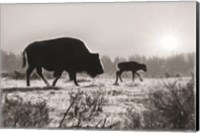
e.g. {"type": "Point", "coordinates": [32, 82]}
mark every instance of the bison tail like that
{"type": "Point", "coordinates": [24, 59]}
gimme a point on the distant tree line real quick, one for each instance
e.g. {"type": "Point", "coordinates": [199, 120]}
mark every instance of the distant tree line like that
{"type": "Point", "coordinates": [10, 62]}
{"type": "Point", "coordinates": [173, 66]}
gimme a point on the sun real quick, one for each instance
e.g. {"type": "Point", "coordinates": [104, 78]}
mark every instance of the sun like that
{"type": "Point", "coordinates": [169, 43]}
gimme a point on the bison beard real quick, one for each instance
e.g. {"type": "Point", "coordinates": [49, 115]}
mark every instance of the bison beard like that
{"type": "Point", "coordinates": [58, 55]}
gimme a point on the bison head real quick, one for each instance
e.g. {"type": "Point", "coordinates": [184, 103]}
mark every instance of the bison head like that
{"type": "Point", "coordinates": [143, 67]}
{"type": "Point", "coordinates": [93, 65]}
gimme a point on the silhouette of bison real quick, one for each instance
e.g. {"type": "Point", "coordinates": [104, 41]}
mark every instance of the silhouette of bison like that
{"type": "Point", "coordinates": [130, 66]}
{"type": "Point", "coordinates": [58, 55]}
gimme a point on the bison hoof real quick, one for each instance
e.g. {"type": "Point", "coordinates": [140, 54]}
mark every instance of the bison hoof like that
{"type": "Point", "coordinates": [77, 84]}
{"type": "Point", "coordinates": [116, 84]}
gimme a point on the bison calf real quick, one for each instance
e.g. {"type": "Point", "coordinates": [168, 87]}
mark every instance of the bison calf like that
{"type": "Point", "coordinates": [130, 66]}
{"type": "Point", "coordinates": [58, 55]}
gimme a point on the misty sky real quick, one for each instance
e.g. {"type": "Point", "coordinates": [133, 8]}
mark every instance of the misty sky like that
{"type": "Point", "coordinates": [114, 29]}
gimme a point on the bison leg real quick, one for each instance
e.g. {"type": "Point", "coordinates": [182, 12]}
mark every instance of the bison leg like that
{"type": "Point", "coordinates": [57, 75]}
{"type": "Point", "coordinates": [75, 81]}
{"type": "Point", "coordinates": [73, 77]}
{"type": "Point", "coordinates": [28, 73]}
{"type": "Point", "coordinates": [39, 72]}
{"type": "Point", "coordinates": [118, 75]}
{"type": "Point", "coordinates": [139, 76]}
{"type": "Point", "coordinates": [70, 76]}
{"type": "Point", "coordinates": [133, 76]}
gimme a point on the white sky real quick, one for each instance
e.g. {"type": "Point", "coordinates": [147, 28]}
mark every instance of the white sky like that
{"type": "Point", "coordinates": [114, 29]}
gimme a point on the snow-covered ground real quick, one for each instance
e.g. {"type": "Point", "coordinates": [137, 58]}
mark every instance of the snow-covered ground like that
{"type": "Point", "coordinates": [120, 97]}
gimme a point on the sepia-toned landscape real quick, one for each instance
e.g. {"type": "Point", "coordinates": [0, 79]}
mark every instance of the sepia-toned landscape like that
{"type": "Point", "coordinates": [163, 102]}
{"type": "Point", "coordinates": [107, 66]}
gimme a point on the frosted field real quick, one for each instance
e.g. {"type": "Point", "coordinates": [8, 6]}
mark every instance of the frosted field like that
{"type": "Point", "coordinates": [120, 98]}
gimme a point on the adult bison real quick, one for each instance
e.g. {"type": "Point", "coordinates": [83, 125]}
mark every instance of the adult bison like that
{"type": "Point", "coordinates": [58, 55]}
{"type": "Point", "coordinates": [130, 66]}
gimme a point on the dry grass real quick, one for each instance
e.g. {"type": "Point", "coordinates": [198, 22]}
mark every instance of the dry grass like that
{"type": "Point", "coordinates": [151, 104]}
{"type": "Point", "coordinates": [82, 110]}
{"type": "Point", "coordinates": [167, 109]}
{"type": "Point", "coordinates": [19, 114]}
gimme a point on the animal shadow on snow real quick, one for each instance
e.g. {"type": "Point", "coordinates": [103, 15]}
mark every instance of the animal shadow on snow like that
{"type": "Point", "coordinates": [132, 84]}
{"type": "Point", "coordinates": [25, 89]}
{"type": "Point", "coordinates": [79, 80]}
{"type": "Point", "coordinates": [94, 85]}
